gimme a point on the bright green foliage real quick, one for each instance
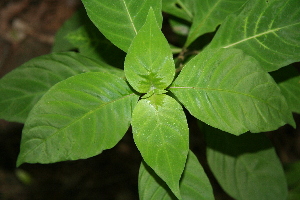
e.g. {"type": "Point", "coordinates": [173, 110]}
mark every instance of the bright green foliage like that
{"type": "Point", "coordinates": [194, 183]}
{"type": "Point", "coordinates": [228, 90]}
{"type": "Point", "coordinates": [120, 20]}
{"type": "Point", "coordinates": [160, 132]}
{"type": "Point", "coordinates": [246, 170]}
{"type": "Point", "coordinates": [288, 79]}
{"type": "Point", "coordinates": [70, 114]}
{"type": "Point", "coordinates": [23, 87]}
{"type": "Point", "coordinates": [149, 64]}
{"type": "Point", "coordinates": [88, 110]}
{"type": "Point", "coordinates": [211, 14]}
{"type": "Point", "coordinates": [266, 30]}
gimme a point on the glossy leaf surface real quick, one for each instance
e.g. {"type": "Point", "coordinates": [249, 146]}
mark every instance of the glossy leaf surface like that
{"type": "Point", "coordinates": [266, 30]}
{"type": "Point", "coordinates": [120, 20]}
{"type": "Point", "coordinates": [246, 166]}
{"type": "Point", "coordinates": [209, 14]}
{"type": "Point", "coordinates": [77, 118]}
{"type": "Point", "coordinates": [288, 79]}
{"type": "Point", "coordinates": [161, 134]}
{"type": "Point", "coordinates": [194, 183]}
{"type": "Point", "coordinates": [149, 63]}
{"type": "Point", "coordinates": [228, 90]}
{"type": "Point", "coordinates": [23, 87]}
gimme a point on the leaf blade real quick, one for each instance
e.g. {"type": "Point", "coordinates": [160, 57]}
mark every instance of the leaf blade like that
{"type": "Point", "coordinates": [149, 63]}
{"type": "Point", "coordinates": [268, 33]}
{"type": "Point", "coordinates": [24, 86]}
{"type": "Point", "coordinates": [228, 90]}
{"type": "Point", "coordinates": [69, 118]}
{"type": "Point", "coordinates": [120, 20]}
{"type": "Point", "coordinates": [160, 132]}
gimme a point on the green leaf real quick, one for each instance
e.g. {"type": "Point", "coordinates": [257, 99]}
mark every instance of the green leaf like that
{"type": "Point", "coordinates": [209, 14]}
{"type": "Point", "coordinates": [77, 118]}
{"type": "Point", "coordinates": [61, 43]}
{"type": "Point", "coordinates": [288, 79]}
{"type": "Point", "coordinates": [292, 172]}
{"type": "Point", "coordinates": [160, 132]}
{"type": "Point", "coordinates": [120, 20]}
{"type": "Point", "coordinates": [229, 90]}
{"type": "Point", "coordinates": [91, 43]}
{"type": "Point", "coordinates": [194, 183]}
{"type": "Point", "coordinates": [266, 30]}
{"type": "Point", "coordinates": [183, 9]}
{"type": "Point", "coordinates": [23, 87]}
{"type": "Point", "coordinates": [246, 166]}
{"type": "Point", "coordinates": [149, 63]}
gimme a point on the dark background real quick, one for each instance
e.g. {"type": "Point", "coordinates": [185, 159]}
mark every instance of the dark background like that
{"type": "Point", "coordinates": [27, 29]}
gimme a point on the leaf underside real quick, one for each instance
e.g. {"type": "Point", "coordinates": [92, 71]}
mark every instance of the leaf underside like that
{"type": "Point", "coordinates": [77, 118]}
{"type": "Point", "coordinates": [228, 90]}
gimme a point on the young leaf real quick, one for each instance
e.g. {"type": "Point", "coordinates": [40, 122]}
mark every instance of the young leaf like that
{"type": "Point", "coordinates": [23, 87]}
{"type": "Point", "coordinates": [229, 90]}
{"type": "Point", "coordinates": [120, 20]}
{"type": "Point", "coordinates": [266, 30]}
{"type": "Point", "coordinates": [247, 166]}
{"type": "Point", "coordinates": [77, 118]}
{"type": "Point", "coordinates": [209, 14]}
{"type": "Point", "coordinates": [183, 9]}
{"type": "Point", "coordinates": [160, 132]}
{"type": "Point", "coordinates": [149, 63]}
{"type": "Point", "coordinates": [288, 79]}
{"type": "Point", "coordinates": [194, 183]}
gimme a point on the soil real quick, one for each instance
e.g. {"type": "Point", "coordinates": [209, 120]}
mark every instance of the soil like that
{"type": "Point", "coordinates": [27, 29]}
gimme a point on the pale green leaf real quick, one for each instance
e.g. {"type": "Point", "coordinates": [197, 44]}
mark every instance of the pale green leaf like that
{"type": "Point", "coordinates": [161, 134]}
{"type": "Point", "coordinates": [247, 166]}
{"type": "Point", "coordinates": [229, 90]}
{"type": "Point", "coordinates": [23, 87]}
{"type": "Point", "coordinates": [183, 9]}
{"type": "Point", "coordinates": [120, 20]}
{"type": "Point", "coordinates": [209, 14]}
{"type": "Point", "coordinates": [266, 30]}
{"type": "Point", "coordinates": [77, 118]}
{"type": "Point", "coordinates": [194, 183]}
{"type": "Point", "coordinates": [149, 63]}
{"type": "Point", "coordinates": [91, 43]}
{"type": "Point", "coordinates": [288, 79]}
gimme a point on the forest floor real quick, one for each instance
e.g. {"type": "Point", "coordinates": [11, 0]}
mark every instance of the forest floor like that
{"type": "Point", "coordinates": [27, 30]}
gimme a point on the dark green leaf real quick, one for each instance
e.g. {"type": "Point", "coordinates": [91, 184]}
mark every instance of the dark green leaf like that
{"type": "Point", "coordinates": [209, 14]}
{"type": "Point", "coordinates": [266, 30]}
{"type": "Point", "coordinates": [91, 43]}
{"type": "Point", "coordinates": [77, 118]}
{"type": "Point", "coordinates": [194, 183]}
{"type": "Point", "coordinates": [120, 20]}
{"type": "Point", "coordinates": [288, 79]}
{"type": "Point", "coordinates": [229, 90]}
{"type": "Point", "coordinates": [246, 166]}
{"type": "Point", "coordinates": [183, 9]}
{"type": "Point", "coordinates": [149, 63]}
{"type": "Point", "coordinates": [292, 172]}
{"type": "Point", "coordinates": [160, 132]}
{"type": "Point", "coordinates": [23, 87]}
{"type": "Point", "coordinates": [61, 43]}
